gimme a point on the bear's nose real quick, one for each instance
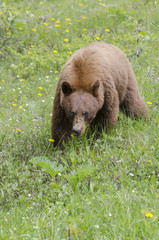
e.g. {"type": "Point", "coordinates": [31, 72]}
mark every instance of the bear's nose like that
{"type": "Point", "coordinates": [76, 131]}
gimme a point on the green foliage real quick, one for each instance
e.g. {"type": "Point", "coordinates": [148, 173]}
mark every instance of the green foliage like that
{"type": "Point", "coordinates": [105, 188]}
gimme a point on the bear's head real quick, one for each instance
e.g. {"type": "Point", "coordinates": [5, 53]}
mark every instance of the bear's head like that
{"type": "Point", "coordinates": [80, 106]}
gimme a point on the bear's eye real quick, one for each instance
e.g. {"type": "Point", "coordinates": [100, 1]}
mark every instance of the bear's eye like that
{"type": "Point", "coordinates": [72, 114]}
{"type": "Point", "coordinates": [85, 115]}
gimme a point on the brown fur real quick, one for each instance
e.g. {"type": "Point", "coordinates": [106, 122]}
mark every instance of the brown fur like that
{"type": "Point", "coordinates": [93, 84]}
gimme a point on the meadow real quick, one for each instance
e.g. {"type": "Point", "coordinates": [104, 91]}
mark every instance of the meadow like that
{"type": "Point", "coordinates": [94, 189]}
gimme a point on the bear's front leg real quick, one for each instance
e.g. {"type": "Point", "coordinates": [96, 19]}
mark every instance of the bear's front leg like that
{"type": "Point", "coordinates": [107, 117]}
{"type": "Point", "coordinates": [60, 126]}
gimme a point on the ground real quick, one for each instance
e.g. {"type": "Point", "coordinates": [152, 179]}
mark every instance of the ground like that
{"type": "Point", "coordinates": [104, 188]}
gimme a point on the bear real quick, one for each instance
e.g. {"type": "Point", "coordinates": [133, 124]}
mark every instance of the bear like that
{"type": "Point", "coordinates": [93, 85]}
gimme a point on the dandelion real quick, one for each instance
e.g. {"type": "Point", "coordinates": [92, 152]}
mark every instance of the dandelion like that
{"type": "Point", "coordinates": [41, 3]}
{"type": "Point", "coordinates": [45, 23]}
{"type": "Point", "coordinates": [84, 17]}
{"type": "Point", "coordinates": [41, 26]}
{"type": "Point", "coordinates": [57, 79]}
{"type": "Point", "coordinates": [58, 21]}
{"type": "Point", "coordinates": [68, 19]}
{"type": "Point", "coordinates": [39, 94]}
{"type": "Point", "coordinates": [53, 19]}
{"type": "Point", "coordinates": [15, 100]}
{"type": "Point", "coordinates": [70, 23]}
{"type": "Point", "coordinates": [51, 140]}
{"type": "Point", "coordinates": [72, 135]}
{"type": "Point", "coordinates": [1, 13]}
{"type": "Point", "coordinates": [57, 25]}
{"type": "Point", "coordinates": [149, 215]}
{"type": "Point", "coordinates": [66, 40]}
{"type": "Point", "coordinates": [18, 130]}
{"type": "Point", "coordinates": [149, 161]}
{"type": "Point", "coordinates": [22, 80]}
{"type": "Point", "coordinates": [81, 4]}
{"type": "Point", "coordinates": [20, 107]}
{"type": "Point", "coordinates": [31, 46]}
{"type": "Point", "coordinates": [14, 105]}
{"type": "Point", "coordinates": [84, 29]}
{"type": "Point", "coordinates": [70, 53]}
{"type": "Point", "coordinates": [103, 4]}
{"type": "Point", "coordinates": [40, 87]}
{"type": "Point", "coordinates": [149, 103]}
{"type": "Point", "coordinates": [67, 31]}
{"type": "Point", "coordinates": [20, 28]}
{"type": "Point", "coordinates": [3, 81]}
{"type": "Point", "coordinates": [98, 38]}
{"type": "Point", "coordinates": [56, 71]}
{"type": "Point", "coordinates": [55, 51]}
{"type": "Point", "coordinates": [33, 29]}
{"type": "Point", "coordinates": [1, 52]}
{"type": "Point", "coordinates": [107, 30]}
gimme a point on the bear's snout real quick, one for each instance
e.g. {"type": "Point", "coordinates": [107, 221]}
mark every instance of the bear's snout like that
{"type": "Point", "coordinates": [78, 127]}
{"type": "Point", "coordinates": [76, 131]}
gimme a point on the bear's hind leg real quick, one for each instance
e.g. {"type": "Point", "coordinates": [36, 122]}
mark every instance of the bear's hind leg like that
{"type": "Point", "coordinates": [133, 104]}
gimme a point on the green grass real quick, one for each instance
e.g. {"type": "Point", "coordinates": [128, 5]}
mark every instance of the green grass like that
{"type": "Point", "coordinates": [104, 188]}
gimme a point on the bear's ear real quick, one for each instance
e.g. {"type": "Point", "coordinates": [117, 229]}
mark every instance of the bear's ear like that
{"type": "Point", "coordinates": [66, 88]}
{"type": "Point", "coordinates": [94, 88]}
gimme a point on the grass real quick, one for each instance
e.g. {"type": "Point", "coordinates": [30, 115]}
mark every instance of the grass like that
{"type": "Point", "coordinates": [106, 188]}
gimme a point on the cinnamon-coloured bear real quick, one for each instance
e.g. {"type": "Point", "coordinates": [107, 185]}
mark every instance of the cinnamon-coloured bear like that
{"type": "Point", "coordinates": [94, 83]}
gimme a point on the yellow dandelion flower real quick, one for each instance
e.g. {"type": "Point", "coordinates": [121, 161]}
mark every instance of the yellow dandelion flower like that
{"type": "Point", "coordinates": [31, 46]}
{"type": "Point", "coordinates": [41, 3]}
{"type": "Point", "coordinates": [53, 19]}
{"type": "Point", "coordinates": [14, 105]}
{"type": "Point", "coordinates": [45, 23]}
{"type": "Point", "coordinates": [56, 71]}
{"type": "Point", "coordinates": [22, 80]}
{"type": "Point", "coordinates": [57, 25]}
{"type": "Point", "coordinates": [41, 26]}
{"type": "Point", "coordinates": [0, 52]}
{"type": "Point", "coordinates": [57, 79]}
{"type": "Point", "coordinates": [98, 38]}
{"type": "Point", "coordinates": [84, 29]}
{"type": "Point", "coordinates": [33, 29]}
{"type": "Point", "coordinates": [20, 107]}
{"type": "Point", "coordinates": [18, 130]}
{"type": "Point", "coordinates": [107, 30]}
{"type": "Point", "coordinates": [39, 94]}
{"type": "Point", "coordinates": [40, 87]}
{"type": "Point", "coordinates": [149, 161]}
{"type": "Point", "coordinates": [70, 53]}
{"type": "Point", "coordinates": [20, 28]}
{"type": "Point", "coordinates": [1, 13]}
{"type": "Point", "coordinates": [67, 31]}
{"type": "Point", "coordinates": [72, 135]}
{"type": "Point", "coordinates": [81, 4]}
{"type": "Point", "coordinates": [55, 51]}
{"type": "Point", "coordinates": [103, 4]}
{"type": "Point", "coordinates": [51, 140]}
{"type": "Point", "coordinates": [70, 23]}
{"type": "Point", "coordinates": [148, 215]}
{"type": "Point", "coordinates": [149, 103]}
{"type": "Point", "coordinates": [15, 100]}
{"type": "Point", "coordinates": [68, 19]}
{"type": "Point", "coordinates": [58, 21]}
{"type": "Point", "coordinates": [66, 40]}
{"type": "Point", "coordinates": [84, 17]}
{"type": "Point", "coordinates": [3, 81]}
{"type": "Point", "coordinates": [78, 20]}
